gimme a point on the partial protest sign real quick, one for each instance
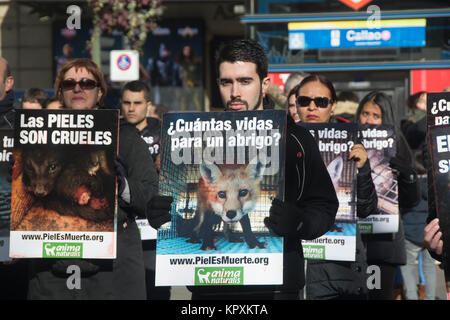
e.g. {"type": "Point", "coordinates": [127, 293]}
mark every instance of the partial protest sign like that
{"type": "Point", "coordinates": [379, 142]}
{"type": "Point", "coordinates": [335, 142]}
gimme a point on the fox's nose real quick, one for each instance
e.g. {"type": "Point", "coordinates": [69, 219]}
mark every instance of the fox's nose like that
{"type": "Point", "coordinates": [231, 214]}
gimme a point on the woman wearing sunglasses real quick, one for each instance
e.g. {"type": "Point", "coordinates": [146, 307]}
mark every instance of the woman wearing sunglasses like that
{"type": "Point", "coordinates": [316, 100]}
{"type": "Point", "coordinates": [80, 85]}
{"type": "Point", "coordinates": [388, 250]}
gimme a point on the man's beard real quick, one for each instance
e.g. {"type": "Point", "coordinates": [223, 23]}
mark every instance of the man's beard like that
{"type": "Point", "coordinates": [229, 103]}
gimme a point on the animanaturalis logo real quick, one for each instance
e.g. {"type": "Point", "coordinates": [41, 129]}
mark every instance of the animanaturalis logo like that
{"type": "Point", "coordinates": [209, 276]}
{"type": "Point", "coordinates": [365, 227]}
{"type": "Point", "coordinates": [314, 252]}
{"type": "Point", "coordinates": [62, 250]}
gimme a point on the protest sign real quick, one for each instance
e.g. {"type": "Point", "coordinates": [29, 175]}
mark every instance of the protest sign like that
{"type": "Point", "coordinates": [335, 142]}
{"type": "Point", "coordinates": [379, 142]}
{"type": "Point", "coordinates": [439, 137]}
{"type": "Point", "coordinates": [223, 170]}
{"type": "Point", "coordinates": [438, 114]}
{"type": "Point", "coordinates": [63, 197]}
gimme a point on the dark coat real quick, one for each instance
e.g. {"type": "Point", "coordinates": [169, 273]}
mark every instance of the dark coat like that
{"type": "Point", "coordinates": [123, 277]}
{"type": "Point", "coordinates": [7, 111]}
{"type": "Point", "coordinates": [309, 186]}
{"type": "Point", "coordinates": [390, 248]}
{"type": "Point", "coordinates": [343, 279]}
{"type": "Point", "coordinates": [13, 277]}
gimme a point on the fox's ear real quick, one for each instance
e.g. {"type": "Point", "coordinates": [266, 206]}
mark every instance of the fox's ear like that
{"type": "Point", "coordinates": [210, 172]}
{"type": "Point", "coordinates": [335, 168]}
{"type": "Point", "coordinates": [255, 170]}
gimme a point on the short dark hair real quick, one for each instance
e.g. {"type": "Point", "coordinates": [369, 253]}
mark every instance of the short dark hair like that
{"type": "Point", "coordinates": [348, 96]}
{"type": "Point", "coordinates": [411, 103]}
{"type": "Point", "coordinates": [245, 50]}
{"type": "Point", "coordinates": [35, 95]}
{"type": "Point", "coordinates": [137, 86]}
{"type": "Point", "coordinates": [323, 80]}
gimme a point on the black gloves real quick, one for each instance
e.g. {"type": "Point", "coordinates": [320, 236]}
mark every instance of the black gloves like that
{"type": "Point", "coordinates": [121, 173]}
{"type": "Point", "coordinates": [284, 218]}
{"type": "Point", "coordinates": [405, 172]}
{"type": "Point", "coordinates": [158, 210]}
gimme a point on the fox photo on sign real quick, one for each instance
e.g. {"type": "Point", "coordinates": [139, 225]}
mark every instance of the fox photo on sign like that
{"type": "Point", "coordinates": [379, 142]}
{"type": "Point", "coordinates": [7, 143]}
{"type": "Point", "coordinates": [63, 194]}
{"type": "Point", "coordinates": [335, 142]}
{"type": "Point", "coordinates": [223, 170]}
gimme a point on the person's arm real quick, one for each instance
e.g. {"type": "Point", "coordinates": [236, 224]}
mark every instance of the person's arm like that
{"type": "Point", "coordinates": [366, 194]}
{"type": "Point", "coordinates": [141, 176]}
{"type": "Point", "coordinates": [311, 214]}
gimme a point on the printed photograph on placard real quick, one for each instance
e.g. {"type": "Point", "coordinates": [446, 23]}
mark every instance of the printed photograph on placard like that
{"type": "Point", "coordinates": [64, 183]}
{"type": "Point", "coordinates": [7, 143]}
{"type": "Point", "coordinates": [379, 142]}
{"type": "Point", "coordinates": [223, 170]}
{"type": "Point", "coordinates": [335, 142]}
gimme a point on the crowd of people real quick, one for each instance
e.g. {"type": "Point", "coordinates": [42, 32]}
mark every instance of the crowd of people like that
{"type": "Point", "coordinates": [307, 212]}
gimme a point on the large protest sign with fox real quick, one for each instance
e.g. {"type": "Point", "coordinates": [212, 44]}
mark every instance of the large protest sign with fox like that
{"type": "Point", "coordinates": [223, 170]}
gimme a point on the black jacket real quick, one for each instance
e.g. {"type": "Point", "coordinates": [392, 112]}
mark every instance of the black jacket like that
{"type": "Point", "coordinates": [389, 248]}
{"type": "Point", "coordinates": [123, 277]}
{"type": "Point", "coordinates": [309, 186]}
{"type": "Point", "coordinates": [7, 111]}
{"type": "Point", "coordinates": [13, 277]}
{"type": "Point", "coordinates": [343, 279]}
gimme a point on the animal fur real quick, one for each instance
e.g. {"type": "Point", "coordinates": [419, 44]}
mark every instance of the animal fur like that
{"type": "Point", "coordinates": [41, 169]}
{"type": "Point", "coordinates": [81, 185]}
{"type": "Point", "coordinates": [226, 193]}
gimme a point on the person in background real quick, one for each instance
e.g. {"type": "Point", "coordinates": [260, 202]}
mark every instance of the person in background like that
{"type": "Point", "coordinates": [13, 274]}
{"type": "Point", "coordinates": [188, 69]}
{"type": "Point", "coordinates": [292, 104]}
{"type": "Point", "coordinates": [135, 106]}
{"type": "Point", "coordinates": [326, 279]}
{"type": "Point", "coordinates": [347, 103]}
{"type": "Point", "coordinates": [53, 103]}
{"type": "Point", "coordinates": [34, 98]}
{"type": "Point", "coordinates": [388, 250]}
{"type": "Point", "coordinates": [280, 98]}
{"type": "Point", "coordinates": [293, 80]}
{"type": "Point", "coordinates": [414, 220]}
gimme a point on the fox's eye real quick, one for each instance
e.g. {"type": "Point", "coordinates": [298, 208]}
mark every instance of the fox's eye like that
{"type": "Point", "coordinates": [243, 192]}
{"type": "Point", "coordinates": [52, 167]}
{"type": "Point", "coordinates": [222, 194]}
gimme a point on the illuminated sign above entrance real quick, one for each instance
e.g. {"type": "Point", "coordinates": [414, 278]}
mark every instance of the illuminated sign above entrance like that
{"type": "Point", "coordinates": [356, 34]}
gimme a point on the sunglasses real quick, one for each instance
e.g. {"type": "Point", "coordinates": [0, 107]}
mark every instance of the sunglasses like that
{"type": "Point", "coordinates": [85, 84]}
{"type": "Point", "coordinates": [320, 102]}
